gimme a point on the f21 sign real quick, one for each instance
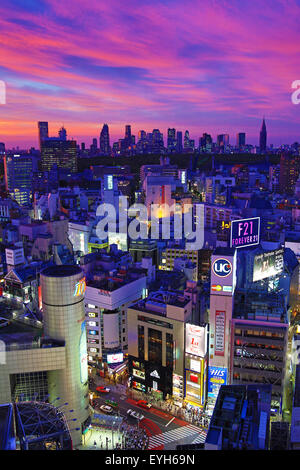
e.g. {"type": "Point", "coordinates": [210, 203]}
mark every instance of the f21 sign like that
{"type": "Point", "coordinates": [245, 232]}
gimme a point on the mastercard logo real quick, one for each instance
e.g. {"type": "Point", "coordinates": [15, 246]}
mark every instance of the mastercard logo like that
{"type": "Point", "coordinates": [215, 287]}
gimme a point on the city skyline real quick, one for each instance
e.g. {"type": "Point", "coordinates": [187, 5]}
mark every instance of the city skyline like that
{"type": "Point", "coordinates": [215, 73]}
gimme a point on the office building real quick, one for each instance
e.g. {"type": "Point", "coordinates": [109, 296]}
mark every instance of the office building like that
{"type": "Point", "coordinates": [289, 171]}
{"type": "Point", "coordinates": [43, 132]}
{"type": "Point", "coordinates": [59, 153]}
{"type": "Point", "coordinates": [167, 353]}
{"type": "Point", "coordinates": [104, 140]}
{"type": "Point", "coordinates": [19, 171]}
{"type": "Point", "coordinates": [240, 140]}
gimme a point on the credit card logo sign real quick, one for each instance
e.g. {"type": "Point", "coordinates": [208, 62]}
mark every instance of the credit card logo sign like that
{"type": "Point", "coordinates": [215, 287]}
{"type": "Point", "coordinates": [222, 267]}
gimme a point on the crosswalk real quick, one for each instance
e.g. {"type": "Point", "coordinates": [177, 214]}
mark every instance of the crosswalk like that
{"type": "Point", "coordinates": [177, 434]}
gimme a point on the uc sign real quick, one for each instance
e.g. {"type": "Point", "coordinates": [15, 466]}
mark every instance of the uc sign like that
{"type": "Point", "coordinates": [222, 267]}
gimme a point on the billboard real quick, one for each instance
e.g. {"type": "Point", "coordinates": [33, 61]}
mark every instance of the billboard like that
{"type": "Point", "coordinates": [115, 358]}
{"type": "Point", "coordinates": [195, 340]}
{"type": "Point", "coordinates": [217, 376]}
{"type": "Point", "coordinates": [267, 264]}
{"type": "Point", "coordinates": [220, 333]}
{"type": "Point", "coordinates": [245, 232]}
{"type": "Point", "coordinates": [223, 274]}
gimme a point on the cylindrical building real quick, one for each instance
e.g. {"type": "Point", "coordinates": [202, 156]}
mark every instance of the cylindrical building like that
{"type": "Point", "coordinates": [63, 290]}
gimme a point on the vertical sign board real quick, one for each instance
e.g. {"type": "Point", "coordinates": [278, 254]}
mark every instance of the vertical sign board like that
{"type": "Point", "coordinates": [245, 232]}
{"type": "Point", "coordinates": [220, 333]}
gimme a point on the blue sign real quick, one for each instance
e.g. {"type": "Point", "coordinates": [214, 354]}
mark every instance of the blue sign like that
{"type": "Point", "coordinates": [217, 376]}
{"type": "Point", "coordinates": [222, 267]}
{"type": "Point", "coordinates": [245, 232]}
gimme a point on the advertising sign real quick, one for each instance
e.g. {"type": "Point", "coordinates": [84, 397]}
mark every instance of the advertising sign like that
{"type": "Point", "coordinates": [223, 274]}
{"type": "Point", "coordinates": [80, 287]}
{"type": "Point", "coordinates": [268, 264]}
{"type": "Point", "coordinates": [83, 355]}
{"type": "Point", "coordinates": [115, 358]}
{"type": "Point", "coordinates": [245, 232]}
{"type": "Point", "coordinates": [220, 333]}
{"type": "Point", "coordinates": [222, 267]}
{"type": "Point", "coordinates": [217, 376]}
{"type": "Point", "coordinates": [195, 340]}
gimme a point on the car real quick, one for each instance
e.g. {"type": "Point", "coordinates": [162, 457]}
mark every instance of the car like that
{"type": "Point", "coordinates": [103, 389]}
{"type": "Point", "coordinates": [106, 409]}
{"type": "Point", "coordinates": [144, 404]}
{"type": "Point", "coordinates": [135, 415]}
{"type": "Point", "coordinates": [111, 403]}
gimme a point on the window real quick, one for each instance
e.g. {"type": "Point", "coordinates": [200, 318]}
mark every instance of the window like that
{"type": "Point", "coordinates": [155, 345]}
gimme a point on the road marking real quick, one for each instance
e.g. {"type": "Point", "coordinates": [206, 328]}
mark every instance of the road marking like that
{"type": "Point", "coordinates": [170, 422]}
{"type": "Point", "coordinates": [177, 434]}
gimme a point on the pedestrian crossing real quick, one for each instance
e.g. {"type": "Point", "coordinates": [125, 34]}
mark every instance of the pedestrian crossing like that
{"type": "Point", "coordinates": [175, 435]}
{"type": "Point", "coordinates": [200, 439]}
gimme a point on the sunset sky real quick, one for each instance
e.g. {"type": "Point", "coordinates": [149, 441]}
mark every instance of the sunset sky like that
{"type": "Point", "coordinates": [207, 66]}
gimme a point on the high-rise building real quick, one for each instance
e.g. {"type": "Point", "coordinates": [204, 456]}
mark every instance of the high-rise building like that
{"type": "Point", "coordinates": [288, 173]}
{"type": "Point", "coordinates": [43, 132]}
{"type": "Point", "coordinates": [127, 136]}
{"type": "Point", "coordinates": [18, 171]}
{"type": "Point", "coordinates": [179, 141]}
{"type": "Point", "coordinates": [62, 133]}
{"type": "Point", "coordinates": [263, 137]}
{"type": "Point", "coordinates": [240, 139]}
{"type": "Point", "coordinates": [186, 143]}
{"type": "Point", "coordinates": [61, 153]}
{"type": "Point", "coordinates": [63, 289]}
{"type": "Point", "coordinates": [104, 140]}
{"type": "Point", "coordinates": [171, 142]}
{"type": "Point", "coordinates": [2, 148]}
{"type": "Point", "coordinates": [222, 140]}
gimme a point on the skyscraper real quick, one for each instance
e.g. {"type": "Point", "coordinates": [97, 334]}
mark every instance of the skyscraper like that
{"type": "Point", "coordinates": [289, 173]}
{"type": "Point", "coordinates": [58, 152]}
{"type": "Point", "coordinates": [43, 132]}
{"type": "Point", "coordinates": [179, 141]}
{"type": "Point", "coordinates": [241, 139]}
{"type": "Point", "coordinates": [62, 133]}
{"type": "Point", "coordinates": [127, 136]}
{"type": "Point", "coordinates": [18, 171]}
{"type": "Point", "coordinates": [104, 140]}
{"type": "Point", "coordinates": [186, 142]}
{"type": "Point", "coordinates": [263, 137]}
{"type": "Point", "coordinates": [171, 141]}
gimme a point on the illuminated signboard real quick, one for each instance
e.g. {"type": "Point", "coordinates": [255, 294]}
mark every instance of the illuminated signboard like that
{"type": "Point", "coordinates": [115, 358]}
{"type": "Point", "coordinates": [223, 273]}
{"type": "Point", "coordinates": [109, 182]}
{"type": "Point", "coordinates": [80, 287]}
{"type": "Point", "coordinates": [83, 355]}
{"type": "Point", "coordinates": [268, 264]}
{"type": "Point", "coordinates": [219, 333]}
{"type": "Point", "coordinates": [222, 267]}
{"type": "Point", "coordinates": [217, 376]}
{"type": "Point", "coordinates": [195, 340]}
{"type": "Point", "coordinates": [245, 232]}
